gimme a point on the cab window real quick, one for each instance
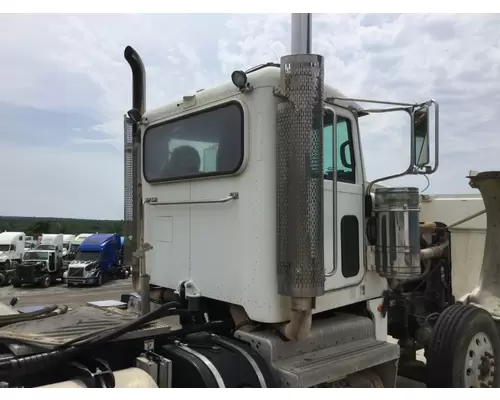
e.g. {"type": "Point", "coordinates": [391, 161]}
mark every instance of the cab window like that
{"type": "Point", "coordinates": [199, 145]}
{"type": "Point", "coordinates": [344, 149]}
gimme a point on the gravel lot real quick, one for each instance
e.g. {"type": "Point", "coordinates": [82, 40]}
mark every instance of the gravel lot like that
{"type": "Point", "coordinates": [61, 294]}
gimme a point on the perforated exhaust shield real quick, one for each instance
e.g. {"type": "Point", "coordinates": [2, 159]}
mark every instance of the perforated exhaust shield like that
{"type": "Point", "coordinates": [129, 228]}
{"type": "Point", "coordinates": [299, 180]}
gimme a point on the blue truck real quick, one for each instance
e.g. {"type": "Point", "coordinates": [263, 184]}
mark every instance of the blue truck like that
{"type": "Point", "coordinates": [99, 258]}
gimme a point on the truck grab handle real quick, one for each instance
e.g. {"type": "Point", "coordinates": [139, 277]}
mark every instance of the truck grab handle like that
{"type": "Point", "coordinates": [154, 201]}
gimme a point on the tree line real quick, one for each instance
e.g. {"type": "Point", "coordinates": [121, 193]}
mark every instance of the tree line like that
{"type": "Point", "coordinates": [34, 226]}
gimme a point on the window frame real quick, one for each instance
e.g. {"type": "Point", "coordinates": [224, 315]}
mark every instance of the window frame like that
{"type": "Point", "coordinates": [351, 179]}
{"type": "Point", "coordinates": [191, 115]}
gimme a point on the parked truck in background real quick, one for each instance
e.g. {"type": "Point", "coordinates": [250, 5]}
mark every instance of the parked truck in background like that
{"type": "Point", "coordinates": [73, 247]}
{"type": "Point", "coordinates": [98, 258]}
{"type": "Point", "coordinates": [30, 242]}
{"type": "Point", "coordinates": [67, 239]}
{"type": "Point", "coordinates": [12, 248]}
{"type": "Point", "coordinates": [42, 265]}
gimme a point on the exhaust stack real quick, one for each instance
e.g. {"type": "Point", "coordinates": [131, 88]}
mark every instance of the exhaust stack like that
{"type": "Point", "coordinates": [487, 293]}
{"type": "Point", "coordinates": [299, 154]}
{"type": "Point", "coordinates": [133, 200]}
{"type": "Point", "coordinates": [299, 179]}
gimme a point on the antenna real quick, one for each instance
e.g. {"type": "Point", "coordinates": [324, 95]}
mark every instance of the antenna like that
{"type": "Point", "coordinates": [301, 34]}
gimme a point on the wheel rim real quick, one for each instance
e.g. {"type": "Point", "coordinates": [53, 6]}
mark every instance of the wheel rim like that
{"type": "Point", "coordinates": [46, 281]}
{"type": "Point", "coordinates": [479, 362]}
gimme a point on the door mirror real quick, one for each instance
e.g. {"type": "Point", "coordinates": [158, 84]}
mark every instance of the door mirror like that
{"type": "Point", "coordinates": [420, 123]}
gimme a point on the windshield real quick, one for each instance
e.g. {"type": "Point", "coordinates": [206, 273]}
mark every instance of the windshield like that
{"type": "Point", "coordinates": [47, 247]}
{"type": "Point", "coordinates": [74, 248]}
{"type": "Point", "coordinates": [36, 255]}
{"type": "Point", "coordinates": [88, 256]}
{"type": "Point", "coordinates": [4, 247]}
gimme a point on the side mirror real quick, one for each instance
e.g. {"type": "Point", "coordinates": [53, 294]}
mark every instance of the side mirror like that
{"type": "Point", "coordinates": [420, 123]}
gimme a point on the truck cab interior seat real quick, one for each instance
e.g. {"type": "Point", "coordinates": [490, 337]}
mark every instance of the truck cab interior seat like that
{"type": "Point", "coordinates": [184, 161]}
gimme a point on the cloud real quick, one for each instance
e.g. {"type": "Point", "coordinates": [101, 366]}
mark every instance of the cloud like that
{"type": "Point", "coordinates": [66, 86]}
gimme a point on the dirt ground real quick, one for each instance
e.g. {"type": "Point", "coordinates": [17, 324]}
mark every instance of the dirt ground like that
{"type": "Point", "coordinates": [61, 294]}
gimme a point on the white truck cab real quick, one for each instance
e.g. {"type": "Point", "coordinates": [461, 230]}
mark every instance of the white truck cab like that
{"type": "Point", "coordinates": [77, 241]}
{"type": "Point", "coordinates": [203, 241]}
{"type": "Point", "coordinates": [253, 196]}
{"type": "Point", "coordinates": [12, 249]}
{"type": "Point", "coordinates": [67, 239]}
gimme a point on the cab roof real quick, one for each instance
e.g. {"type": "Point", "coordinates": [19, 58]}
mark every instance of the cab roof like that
{"type": "Point", "coordinates": [267, 75]}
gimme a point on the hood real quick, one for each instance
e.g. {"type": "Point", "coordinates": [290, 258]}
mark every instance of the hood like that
{"type": "Point", "coordinates": [35, 262]}
{"type": "Point", "coordinates": [81, 264]}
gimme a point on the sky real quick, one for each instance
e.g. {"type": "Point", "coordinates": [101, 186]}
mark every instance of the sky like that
{"type": "Point", "coordinates": [66, 86]}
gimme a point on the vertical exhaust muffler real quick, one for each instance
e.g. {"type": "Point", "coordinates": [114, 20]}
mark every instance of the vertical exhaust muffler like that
{"type": "Point", "coordinates": [299, 183]}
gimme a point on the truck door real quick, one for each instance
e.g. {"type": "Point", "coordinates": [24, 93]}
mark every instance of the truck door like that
{"type": "Point", "coordinates": [349, 269]}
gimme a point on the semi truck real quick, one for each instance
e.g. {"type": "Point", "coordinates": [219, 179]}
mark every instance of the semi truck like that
{"type": "Point", "coordinates": [30, 242]}
{"type": "Point", "coordinates": [283, 265]}
{"type": "Point", "coordinates": [98, 258]}
{"type": "Point", "coordinates": [12, 248]}
{"type": "Point", "coordinates": [43, 265]}
{"type": "Point", "coordinates": [67, 239]}
{"type": "Point", "coordinates": [73, 247]}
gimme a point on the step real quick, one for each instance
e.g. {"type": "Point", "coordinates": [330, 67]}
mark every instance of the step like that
{"type": "Point", "coordinates": [336, 347]}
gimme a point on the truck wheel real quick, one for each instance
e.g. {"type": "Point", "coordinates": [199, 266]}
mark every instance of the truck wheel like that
{"type": "Point", "coordinates": [99, 280]}
{"type": "Point", "coordinates": [45, 281]}
{"type": "Point", "coordinates": [3, 280]}
{"type": "Point", "coordinates": [462, 350]}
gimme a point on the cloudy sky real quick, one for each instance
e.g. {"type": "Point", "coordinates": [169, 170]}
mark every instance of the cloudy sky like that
{"type": "Point", "coordinates": [66, 86]}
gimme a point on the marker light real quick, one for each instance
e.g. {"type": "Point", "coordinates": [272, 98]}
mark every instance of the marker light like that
{"type": "Point", "coordinates": [239, 79]}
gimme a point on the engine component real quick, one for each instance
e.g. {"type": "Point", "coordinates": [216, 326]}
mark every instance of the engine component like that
{"type": "Point", "coordinates": [158, 367]}
{"type": "Point", "coordinates": [397, 250]}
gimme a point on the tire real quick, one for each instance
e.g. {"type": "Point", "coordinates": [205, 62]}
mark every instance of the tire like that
{"type": "Point", "coordinates": [45, 281]}
{"type": "Point", "coordinates": [3, 280]}
{"type": "Point", "coordinates": [463, 334]}
{"type": "Point", "coordinates": [99, 280]}
{"type": "Point", "coordinates": [16, 284]}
